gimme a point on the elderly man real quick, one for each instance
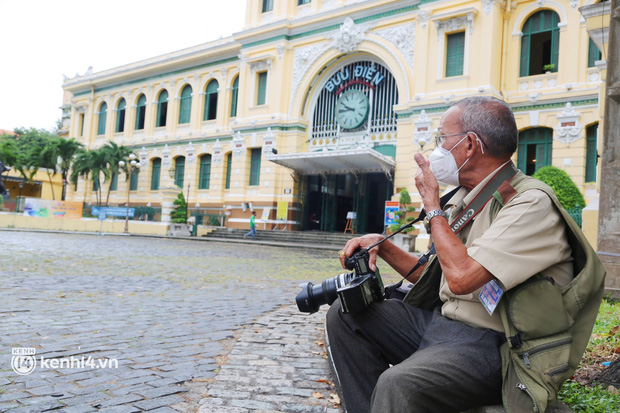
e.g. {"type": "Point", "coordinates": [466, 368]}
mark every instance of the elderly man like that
{"type": "Point", "coordinates": [395, 357]}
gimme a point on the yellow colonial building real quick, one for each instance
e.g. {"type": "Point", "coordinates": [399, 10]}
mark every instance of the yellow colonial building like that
{"type": "Point", "coordinates": [322, 104]}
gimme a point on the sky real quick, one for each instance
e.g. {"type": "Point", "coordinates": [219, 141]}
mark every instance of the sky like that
{"type": "Point", "coordinates": [41, 40]}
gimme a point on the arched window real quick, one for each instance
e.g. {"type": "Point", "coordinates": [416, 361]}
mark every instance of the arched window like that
{"type": "Point", "coordinates": [103, 113]}
{"type": "Point", "coordinates": [179, 171]}
{"type": "Point", "coordinates": [211, 101]}
{"type": "Point", "coordinates": [205, 172]}
{"type": "Point", "coordinates": [540, 43]}
{"type": "Point", "coordinates": [155, 172]}
{"type": "Point", "coordinates": [535, 146]}
{"type": "Point", "coordinates": [234, 97]}
{"type": "Point", "coordinates": [140, 112]}
{"type": "Point", "coordinates": [120, 116]}
{"type": "Point", "coordinates": [185, 109]}
{"type": "Point", "coordinates": [162, 109]}
{"type": "Point", "coordinates": [591, 152]}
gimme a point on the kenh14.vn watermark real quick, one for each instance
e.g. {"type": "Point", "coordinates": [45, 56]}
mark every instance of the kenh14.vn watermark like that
{"type": "Point", "coordinates": [24, 361]}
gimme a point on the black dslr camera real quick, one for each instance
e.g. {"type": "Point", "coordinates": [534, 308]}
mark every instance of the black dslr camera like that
{"type": "Point", "coordinates": [356, 290]}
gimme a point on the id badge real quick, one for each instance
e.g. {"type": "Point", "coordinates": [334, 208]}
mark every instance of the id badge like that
{"type": "Point", "coordinates": [490, 296]}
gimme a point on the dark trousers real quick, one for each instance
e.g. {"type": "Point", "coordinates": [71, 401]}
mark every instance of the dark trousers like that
{"type": "Point", "coordinates": [439, 365]}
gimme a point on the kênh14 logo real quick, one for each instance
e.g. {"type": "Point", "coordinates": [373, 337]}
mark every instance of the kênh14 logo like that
{"type": "Point", "coordinates": [24, 361]}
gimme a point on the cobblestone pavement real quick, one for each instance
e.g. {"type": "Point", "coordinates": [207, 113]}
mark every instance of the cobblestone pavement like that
{"type": "Point", "coordinates": [155, 320]}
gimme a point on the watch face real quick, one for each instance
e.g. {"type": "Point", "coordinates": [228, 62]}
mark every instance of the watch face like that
{"type": "Point", "coordinates": [352, 109]}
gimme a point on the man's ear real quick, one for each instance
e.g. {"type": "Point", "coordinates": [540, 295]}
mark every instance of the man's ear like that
{"type": "Point", "coordinates": [472, 144]}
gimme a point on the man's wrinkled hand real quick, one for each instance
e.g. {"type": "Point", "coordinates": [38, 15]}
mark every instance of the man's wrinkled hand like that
{"type": "Point", "coordinates": [362, 242]}
{"type": "Point", "coordinates": [427, 184]}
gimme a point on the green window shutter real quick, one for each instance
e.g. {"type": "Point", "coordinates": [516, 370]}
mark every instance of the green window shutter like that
{"type": "Point", "coordinates": [162, 109]}
{"type": "Point", "coordinates": [103, 112]}
{"type": "Point", "coordinates": [262, 88]}
{"type": "Point", "coordinates": [228, 169]}
{"type": "Point", "coordinates": [300, 2]}
{"type": "Point", "coordinates": [593, 53]}
{"type": "Point", "coordinates": [114, 182]}
{"type": "Point", "coordinates": [267, 5]}
{"type": "Point", "coordinates": [179, 171]}
{"type": "Point", "coordinates": [455, 54]}
{"type": "Point", "coordinates": [210, 111]}
{"type": "Point", "coordinates": [524, 70]}
{"type": "Point", "coordinates": [555, 46]}
{"type": "Point", "coordinates": [234, 97]}
{"type": "Point", "coordinates": [591, 153]}
{"type": "Point", "coordinates": [255, 166]}
{"type": "Point", "coordinates": [205, 172]}
{"type": "Point", "coordinates": [133, 184]}
{"type": "Point", "coordinates": [120, 116]}
{"type": "Point", "coordinates": [185, 110]}
{"type": "Point", "coordinates": [155, 172]}
{"type": "Point", "coordinates": [140, 112]}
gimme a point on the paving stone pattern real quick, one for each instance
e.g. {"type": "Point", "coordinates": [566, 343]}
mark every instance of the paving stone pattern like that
{"type": "Point", "coordinates": [276, 365]}
{"type": "Point", "coordinates": [166, 311]}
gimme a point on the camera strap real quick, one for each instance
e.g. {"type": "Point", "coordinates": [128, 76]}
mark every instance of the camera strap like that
{"type": "Point", "coordinates": [487, 193]}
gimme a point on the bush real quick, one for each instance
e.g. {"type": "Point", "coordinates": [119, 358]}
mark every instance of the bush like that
{"type": "Point", "coordinates": [404, 201]}
{"type": "Point", "coordinates": [565, 189]}
{"type": "Point", "coordinates": [179, 215]}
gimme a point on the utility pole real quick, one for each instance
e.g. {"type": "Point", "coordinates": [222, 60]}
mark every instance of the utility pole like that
{"type": "Point", "coordinates": [609, 204]}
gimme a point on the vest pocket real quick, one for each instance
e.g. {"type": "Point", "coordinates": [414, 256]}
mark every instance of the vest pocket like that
{"type": "Point", "coordinates": [537, 309]}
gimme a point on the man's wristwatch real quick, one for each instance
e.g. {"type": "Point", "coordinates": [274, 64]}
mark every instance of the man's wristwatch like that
{"type": "Point", "coordinates": [432, 214]}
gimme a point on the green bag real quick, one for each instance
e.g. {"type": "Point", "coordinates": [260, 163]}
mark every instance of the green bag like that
{"type": "Point", "coordinates": [548, 327]}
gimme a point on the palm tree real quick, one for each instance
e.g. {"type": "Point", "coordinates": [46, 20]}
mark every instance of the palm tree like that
{"type": "Point", "coordinates": [45, 157]}
{"type": "Point", "coordinates": [67, 149]}
{"type": "Point", "coordinates": [82, 166]}
{"type": "Point", "coordinates": [114, 154]}
{"type": "Point", "coordinates": [91, 163]}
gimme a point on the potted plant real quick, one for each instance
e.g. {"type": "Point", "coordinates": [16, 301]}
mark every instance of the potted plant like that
{"type": "Point", "coordinates": [549, 68]}
{"type": "Point", "coordinates": [179, 217]}
{"type": "Point", "coordinates": [405, 239]}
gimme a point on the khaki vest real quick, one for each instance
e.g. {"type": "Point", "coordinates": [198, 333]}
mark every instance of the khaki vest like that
{"type": "Point", "coordinates": [547, 327]}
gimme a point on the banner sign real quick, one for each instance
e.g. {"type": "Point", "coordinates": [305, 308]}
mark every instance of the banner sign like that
{"type": "Point", "coordinates": [391, 208]}
{"type": "Point", "coordinates": [366, 75]}
{"type": "Point", "coordinates": [282, 212]}
{"type": "Point", "coordinates": [112, 211]}
{"type": "Point", "coordinates": [36, 207]}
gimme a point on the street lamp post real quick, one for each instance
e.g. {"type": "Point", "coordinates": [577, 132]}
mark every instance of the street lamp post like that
{"type": "Point", "coordinates": [187, 199]}
{"type": "Point", "coordinates": [133, 164]}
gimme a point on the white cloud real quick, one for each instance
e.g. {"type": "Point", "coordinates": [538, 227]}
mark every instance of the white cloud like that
{"type": "Point", "coordinates": [44, 39]}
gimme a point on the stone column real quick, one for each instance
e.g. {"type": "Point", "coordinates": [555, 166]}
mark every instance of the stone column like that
{"type": "Point", "coordinates": [609, 205]}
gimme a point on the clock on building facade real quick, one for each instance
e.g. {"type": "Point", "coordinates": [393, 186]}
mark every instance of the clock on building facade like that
{"type": "Point", "coordinates": [352, 109]}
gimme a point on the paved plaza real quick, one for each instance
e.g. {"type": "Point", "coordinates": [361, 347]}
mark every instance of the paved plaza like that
{"type": "Point", "coordinates": [130, 324]}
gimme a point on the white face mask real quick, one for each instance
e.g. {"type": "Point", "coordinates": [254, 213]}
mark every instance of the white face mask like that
{"type": "Point", "coordinates": [444, 165]}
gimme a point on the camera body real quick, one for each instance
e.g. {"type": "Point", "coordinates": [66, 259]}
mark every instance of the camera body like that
{"type": "Point", "coordinates": [356, 290]}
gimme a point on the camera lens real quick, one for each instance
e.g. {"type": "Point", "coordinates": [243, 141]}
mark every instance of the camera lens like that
{"type": "Point", "coordinates": [312, 296]}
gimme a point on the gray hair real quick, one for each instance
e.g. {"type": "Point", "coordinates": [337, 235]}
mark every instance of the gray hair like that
{"type": "Point", "coordinates": [493, 122]}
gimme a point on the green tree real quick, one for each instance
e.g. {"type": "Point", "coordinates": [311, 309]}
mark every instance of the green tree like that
{"type": "Point", "coordinates": [404, 207]}
{"type": "Point", "coordinates": [114, 154]}
{"type": "Point", "coordinates": [67, 149]}
{"type": "Point", "coordinates": [44, 157]}
{"type": "Point", "coordinates": [91, 165]}
{"type": "Point", "coordinates": [565, 189]}
{"type": "Point", "coordinates": [179, 215]}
